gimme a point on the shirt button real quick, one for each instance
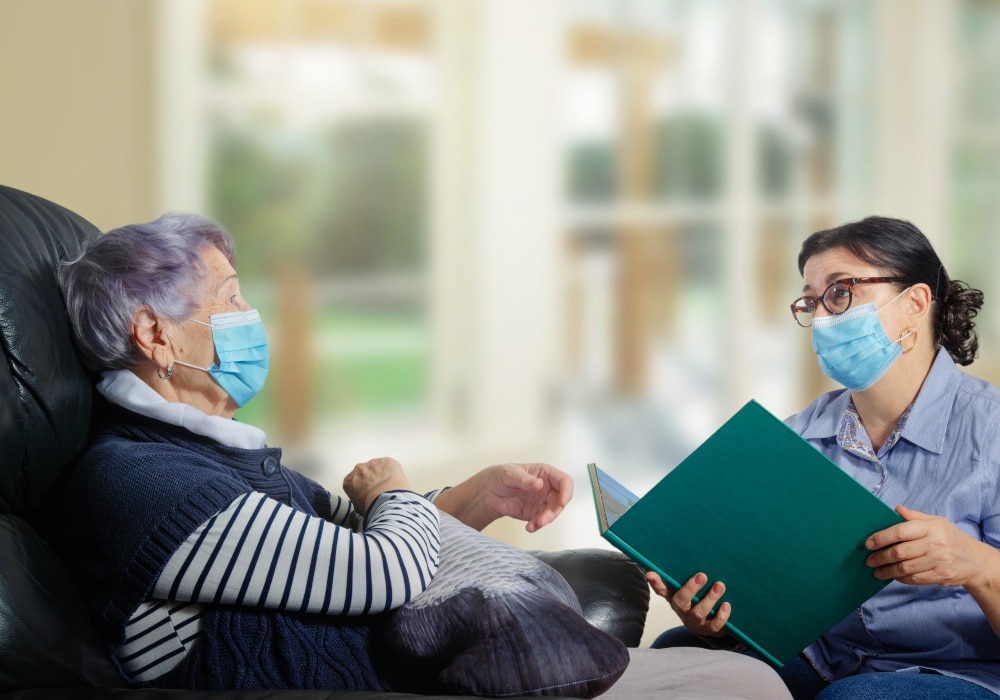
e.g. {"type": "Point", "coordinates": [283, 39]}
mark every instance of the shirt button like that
{"type": "Point", "coordinates": [270, 466]}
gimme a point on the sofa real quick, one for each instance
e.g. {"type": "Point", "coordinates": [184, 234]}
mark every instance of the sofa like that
{"type": "Point", "coordinates": [48, 648]}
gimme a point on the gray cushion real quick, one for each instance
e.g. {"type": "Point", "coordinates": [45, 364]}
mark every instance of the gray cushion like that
{"type": "Point", "coordinates": [496, 621]}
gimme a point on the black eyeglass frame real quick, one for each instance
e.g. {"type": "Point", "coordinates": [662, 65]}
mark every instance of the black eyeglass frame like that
{"type": "Point", "coordinates": [806, 304]}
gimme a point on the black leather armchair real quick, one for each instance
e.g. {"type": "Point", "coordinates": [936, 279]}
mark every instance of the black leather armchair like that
{"type": "Point", "coordinates": [47, 646]}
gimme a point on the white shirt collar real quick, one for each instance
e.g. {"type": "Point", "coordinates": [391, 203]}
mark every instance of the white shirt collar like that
{"type": "Point", "coordinates": [125, 389]}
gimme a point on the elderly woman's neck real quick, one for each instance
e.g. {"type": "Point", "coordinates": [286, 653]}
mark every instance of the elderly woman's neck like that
{"type": "Point", "coordinates": [174, 388]}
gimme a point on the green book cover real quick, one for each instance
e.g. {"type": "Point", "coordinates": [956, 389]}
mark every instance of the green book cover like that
{"type": "Point", "coordinates": [757, 507]}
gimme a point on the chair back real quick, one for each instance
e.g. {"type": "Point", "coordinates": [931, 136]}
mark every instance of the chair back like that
{"type": "Point", "coordinates": [45, 412]}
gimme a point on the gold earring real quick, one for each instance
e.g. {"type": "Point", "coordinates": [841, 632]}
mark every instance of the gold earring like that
{"type": "Point", "coordinates": [902, 336]}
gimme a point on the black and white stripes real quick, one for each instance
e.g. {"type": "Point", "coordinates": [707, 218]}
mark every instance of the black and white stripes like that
{"type": "Point", "coordinates": [259, 552]}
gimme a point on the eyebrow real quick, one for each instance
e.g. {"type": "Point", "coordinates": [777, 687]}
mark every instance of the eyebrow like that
{"type": "Point", "coordinates": [831, 278]}
{"type": "Point", "coordinates": [223, 283]}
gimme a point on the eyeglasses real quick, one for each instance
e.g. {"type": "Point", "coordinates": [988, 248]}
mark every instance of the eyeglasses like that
{"type": "Point", "coordinates": [836, 298]}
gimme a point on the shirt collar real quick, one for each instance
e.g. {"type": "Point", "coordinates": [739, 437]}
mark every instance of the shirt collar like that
{"type": "Point", "coordinates": [125, 389]}
{"type": "Point", "coordinates": [927, 422]}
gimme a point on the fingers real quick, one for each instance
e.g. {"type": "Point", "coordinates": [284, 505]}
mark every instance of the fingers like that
{"type": "Point", "coordinates": [924, 550]}
{"type": "Point", "coordinates": [683, 601]}
{"type": "Point", "coordinates": [910, 530]}
{"type": "Point", "coordinates": [534, 492]}
{"type": "Point", "coordinates": [902, 553]}
{"type": "Point", "coordinates": [697, 616]}
{"type": "Point", "coordinates": [560, 482]}
{"type": "Point", "coordinates": [558, 489]}
{"type": "Point", "coordinates": [536, 477]}
{"type": "Point", "coordinates": [369, 479]}
{"type": "Point", "coordinates": [657, 584]}
{"type": "Point", "coordinates": [916, 526]}
{"type": "Point", "coordinates": [543, 518]}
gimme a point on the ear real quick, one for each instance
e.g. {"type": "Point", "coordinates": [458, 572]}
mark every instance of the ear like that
{"type": "Point", "coordinates": [919, 298]}
{"type": "Point", "coordinates": [151, 337]}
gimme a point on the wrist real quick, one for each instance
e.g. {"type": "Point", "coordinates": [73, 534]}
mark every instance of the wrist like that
{"type": "Point", "coordinates": [985, 580]}
{"type": "Point", "coordinates": [466, 505]}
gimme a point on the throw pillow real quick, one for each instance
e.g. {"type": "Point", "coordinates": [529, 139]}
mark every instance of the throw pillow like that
{"type": "Point", "coordinates": [495, 621]}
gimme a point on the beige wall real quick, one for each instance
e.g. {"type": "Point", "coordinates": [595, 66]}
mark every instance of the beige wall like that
{"type": "Point", "coordinates": [77, 113]}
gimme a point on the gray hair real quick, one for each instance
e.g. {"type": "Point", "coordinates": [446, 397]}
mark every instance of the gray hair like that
{"type": "Point", "coordinates": [157, 265]}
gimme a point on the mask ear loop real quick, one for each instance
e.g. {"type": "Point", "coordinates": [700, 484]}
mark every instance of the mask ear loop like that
{"type": "Point", "coordinates": [906, 332]}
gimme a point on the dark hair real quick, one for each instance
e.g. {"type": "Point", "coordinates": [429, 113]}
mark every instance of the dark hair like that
{"type": "Point", "coordinates": [901, 250]}
{"type": "Point", "coordinates": [156, 264]}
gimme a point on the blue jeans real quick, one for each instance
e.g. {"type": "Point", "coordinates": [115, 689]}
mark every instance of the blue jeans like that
{"type": "Point", "coordinates": [805, 684]}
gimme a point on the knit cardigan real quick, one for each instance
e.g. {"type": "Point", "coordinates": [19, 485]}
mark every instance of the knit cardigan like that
{"type": "Point", "coordinates": [141, 488]}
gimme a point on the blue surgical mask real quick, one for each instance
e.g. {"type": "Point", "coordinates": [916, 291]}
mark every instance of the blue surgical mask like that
{"type": "Point", "coordinates": [853, 348]}
{"type": "Point", "coordinates": [241, 346]}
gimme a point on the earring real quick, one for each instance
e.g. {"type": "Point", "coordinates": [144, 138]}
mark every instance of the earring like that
{"type": "Point", "coordinates": [170, 372]}
{"type": "Point", "coordinates": [907, 332]}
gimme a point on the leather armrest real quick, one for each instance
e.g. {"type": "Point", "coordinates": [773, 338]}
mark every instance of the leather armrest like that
{"type": "Point", "coordinates": [45, 637]}
{"type": "Point", "coordinates": [612, 589]}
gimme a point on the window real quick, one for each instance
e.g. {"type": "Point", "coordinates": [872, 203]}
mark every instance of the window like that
{"type": "Point", "coordinates": [316, 121]}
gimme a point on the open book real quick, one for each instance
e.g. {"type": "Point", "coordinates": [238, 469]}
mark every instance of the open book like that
{"type": "Point", "coordinates": [756, 507]}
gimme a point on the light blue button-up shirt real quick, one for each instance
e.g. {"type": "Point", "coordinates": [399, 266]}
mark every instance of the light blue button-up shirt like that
{"type": "Point", "coordinates": [943, 460]}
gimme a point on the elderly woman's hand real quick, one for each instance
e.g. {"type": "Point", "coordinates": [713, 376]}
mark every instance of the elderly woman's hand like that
{"type": "Point", "coordinates": [534, 492]}
{"type": "Point", "coordinates": [696, 617]}
{"type": "Point", "coordinates": [369, 479]}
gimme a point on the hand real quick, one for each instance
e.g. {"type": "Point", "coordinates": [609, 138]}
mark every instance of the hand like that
{"type": "Point", "coordinates": [535, 493]}
{"type": "Point", "coordinates": [926, 550]}
{"type": "Point", "coordinates": [696, 617]}
{"type": "Point", "coordinates": [369, 479]}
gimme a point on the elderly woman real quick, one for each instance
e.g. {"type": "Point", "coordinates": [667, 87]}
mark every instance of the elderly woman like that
{"type": "Point", "coordinates": [889, 325]}
{"type": "Point", "coordinates": [205, 562]}
{"type": "Point", "coordinates": [176, 507]}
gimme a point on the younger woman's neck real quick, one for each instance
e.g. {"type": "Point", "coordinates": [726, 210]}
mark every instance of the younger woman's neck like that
{"type": "Point", "coordinates": [881, 406]}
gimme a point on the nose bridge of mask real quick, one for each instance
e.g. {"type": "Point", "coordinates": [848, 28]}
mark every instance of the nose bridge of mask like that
{"type": "Point", "coordinates": [853, 348]}
{"type": "Point", "coordinates": [250, 333]}
{"type": "Point", "coordinates": [854, 312]}
{"type": "Point", "coordinates": [839, 338]}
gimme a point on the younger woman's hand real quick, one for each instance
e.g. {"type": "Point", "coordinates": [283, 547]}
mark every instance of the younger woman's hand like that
{"type": "Point", "coordinates": [696, 617]}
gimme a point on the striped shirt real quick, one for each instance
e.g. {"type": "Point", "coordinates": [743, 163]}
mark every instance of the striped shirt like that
{"type": "Point", "coordinates": [260, 552]}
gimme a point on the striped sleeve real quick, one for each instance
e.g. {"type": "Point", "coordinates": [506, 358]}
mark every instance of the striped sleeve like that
{"type": "Point", "coordinates": [338, 510]}
{"type": "Point", "coordinates": [261, 552]}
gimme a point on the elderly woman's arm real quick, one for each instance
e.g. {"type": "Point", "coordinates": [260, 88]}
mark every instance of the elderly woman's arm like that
{"type": "Point", "coordinates": [261, 552]}
{"type": "Point", "coordinates": [534, 492]}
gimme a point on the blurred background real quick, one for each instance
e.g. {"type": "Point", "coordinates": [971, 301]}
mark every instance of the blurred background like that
{"type": "Point", "coordinates": [518, 230]}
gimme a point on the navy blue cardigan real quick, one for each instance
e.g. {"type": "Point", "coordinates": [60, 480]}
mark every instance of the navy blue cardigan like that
{"type": "Point", "coordinates": [141, 488]}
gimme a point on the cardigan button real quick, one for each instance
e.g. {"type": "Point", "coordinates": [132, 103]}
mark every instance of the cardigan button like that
{"type": "Point", "coordinates": [270, 466]}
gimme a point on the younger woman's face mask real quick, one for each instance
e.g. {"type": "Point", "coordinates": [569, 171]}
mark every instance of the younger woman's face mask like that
{"type": "Point", "coordinates": [241, 346]}
{"type": "Point", "coordinates": [853, 348]}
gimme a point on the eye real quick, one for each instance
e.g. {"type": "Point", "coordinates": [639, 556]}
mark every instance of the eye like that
{"type": "Point", "coordinates": [233, 298]}
{"type": "Point", "coordinates": [840, 292]}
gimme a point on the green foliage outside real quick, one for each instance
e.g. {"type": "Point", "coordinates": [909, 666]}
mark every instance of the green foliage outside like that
{"type": "Point", "coordinates": [357, 382]}
{"type": "Point", "coordinates": [344, 202]}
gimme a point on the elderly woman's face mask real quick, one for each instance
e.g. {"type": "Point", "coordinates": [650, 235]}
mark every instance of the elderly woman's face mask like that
{"type": "Point", "coordinates": [241, 346]}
